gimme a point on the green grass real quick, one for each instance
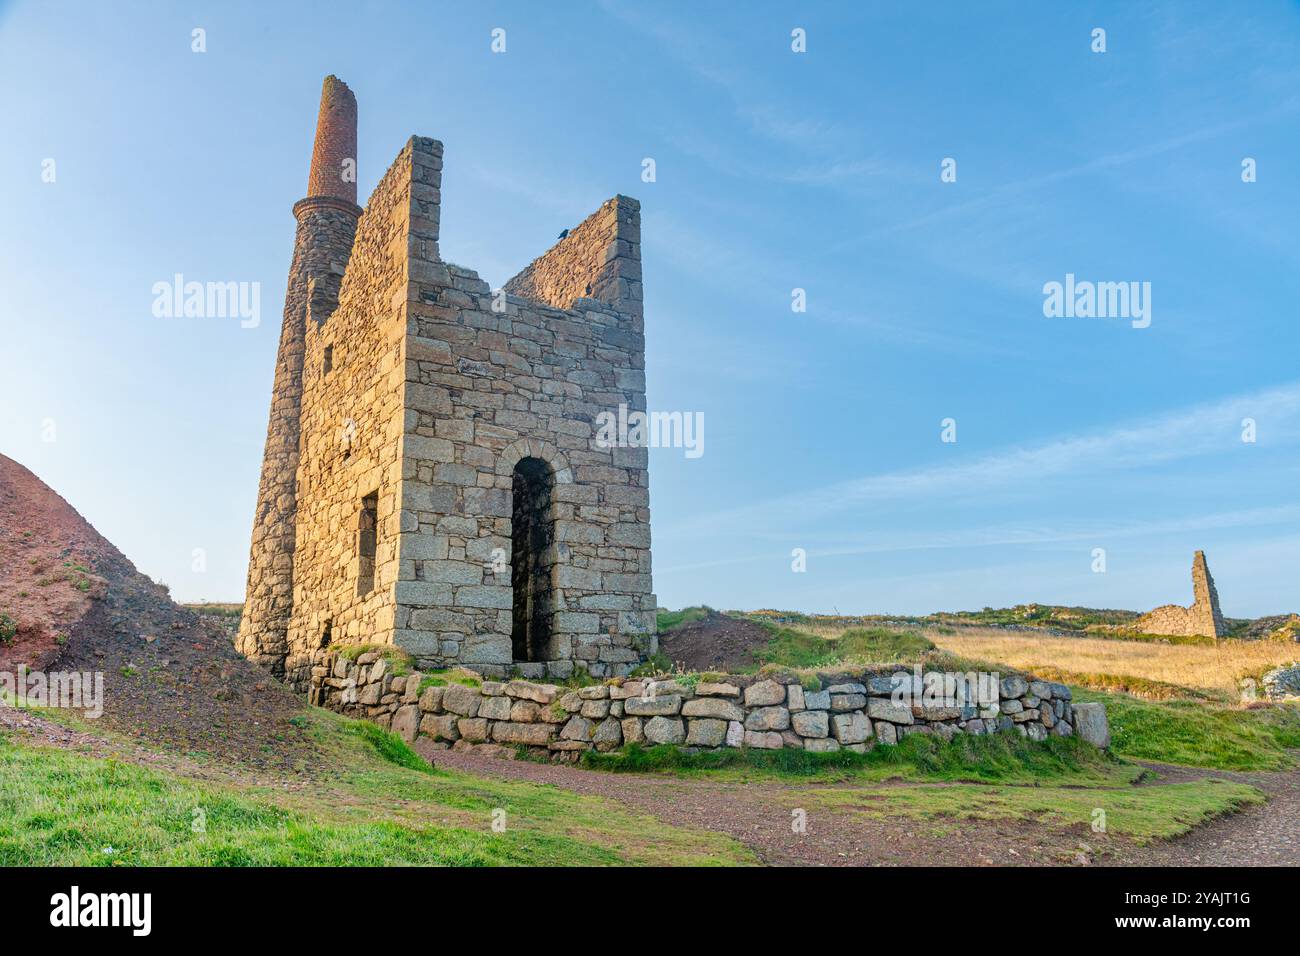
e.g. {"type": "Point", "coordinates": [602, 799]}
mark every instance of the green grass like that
{"type": "Point", "coordinates": [441, 678]}
{"type": "Point", "coordinates": [1200, 733]}
{"type": "Point", "coordinates": [1142, 814]}
{"type": "Point", "coordinates": [995, 758]}
{"type": "Point", "coordinates": [669, 620]}
{"type": "Point", "coordinates": [388, 746]}
{"type": "Point", "coordinates": [368, 804]}
{"type": "Point", "coordinates": [801, 650]}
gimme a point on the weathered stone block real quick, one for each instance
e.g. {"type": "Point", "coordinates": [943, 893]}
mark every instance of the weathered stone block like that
{"type": "Point", "coordinates": [764, 693]}
{"type": "Point", "coordinates": [406, 722]}
{"type": "Point", "coordinates": [810, 723]}
{"type": "Point", "coordinates": [459, 699]}
{"type": "Point", "coordinates": [763, 740]}
{"type": "Point", "coordinates": [632, 730]}
{"type": "Point", "coordinates": [706, 732]}
{"type": "Point", "coordinates": [652, 707]}
{"type": "Point", "coordinates": [539, 693]}
{"type": "Point", "coordinates": [1090, 724]}
{"type": "Point", "coordinates": [850, 728]}
{"type": "Point", "coordinates": [713, 707]}
{"type": "Point", "coordinates": [508, 732]}
{"type": "Point", "coordinates": [768, 718]}
{"type": "Point", "coordinates": [846, 702]}
{"type": "Point", "coordinates": [578, 728]}
{"type": "Point", "coordinates": [880, 708]}
{"type": "Point", "coordinates": [665, 730]}
{"type": "Point", "coordinates": [440, 727]}
{"type": "Point", "coordinates": [495, 708]}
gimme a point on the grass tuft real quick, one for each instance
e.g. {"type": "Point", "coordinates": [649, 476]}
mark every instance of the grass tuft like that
{"type": "Point", "coordinates": [864, 645]}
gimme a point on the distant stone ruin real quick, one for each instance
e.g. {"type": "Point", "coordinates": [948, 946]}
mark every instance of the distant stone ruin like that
{"type": "Point", "coordinates": [432, 477]}
{"type": "Point", "coordinates": [1202, 619]}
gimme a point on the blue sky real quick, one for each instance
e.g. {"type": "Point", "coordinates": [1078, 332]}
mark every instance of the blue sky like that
{"type": "Point", "coordinates": [775, 171]}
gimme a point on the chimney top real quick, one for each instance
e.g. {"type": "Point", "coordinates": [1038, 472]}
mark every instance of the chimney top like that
{"type": "Point", "coordinates": [334, 157]}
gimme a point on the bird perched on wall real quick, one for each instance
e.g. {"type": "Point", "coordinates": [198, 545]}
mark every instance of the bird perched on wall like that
{"type": "Point", "coordinates": [562, 234]}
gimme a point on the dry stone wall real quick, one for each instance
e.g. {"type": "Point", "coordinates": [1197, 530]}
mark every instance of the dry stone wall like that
{"type": "Point", "coordinates": [854, 712]}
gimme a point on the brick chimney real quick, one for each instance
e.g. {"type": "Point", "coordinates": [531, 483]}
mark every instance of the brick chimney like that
{"type": "Point", "coordinates": [327, 224]}
{"type": "Point", "coordinates": [334, 157]}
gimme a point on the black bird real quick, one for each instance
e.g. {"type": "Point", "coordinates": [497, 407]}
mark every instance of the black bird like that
{"type": "Point", "coordinates": [563, 234]}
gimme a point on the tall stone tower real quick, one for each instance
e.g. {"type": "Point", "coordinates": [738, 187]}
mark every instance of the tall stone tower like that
{"type": "Point", "coordinates": [1207, 618]}
{"type": "Point", "coordinates": [327, 223]}
{"type": "Point", "coordinates": [436, 474]}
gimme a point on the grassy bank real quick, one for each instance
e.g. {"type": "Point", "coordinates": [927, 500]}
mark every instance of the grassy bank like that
{"type": "Point", "coordinates": [1200, 733]}
{"type": "Point", "coordinates": [801, 650]}
{"type": "Point", "coordinates": [373, 802]}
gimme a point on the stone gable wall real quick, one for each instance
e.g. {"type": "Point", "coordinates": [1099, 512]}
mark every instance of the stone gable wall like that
{"type": "Point", "coordinates": [492, 379]}
{"type": "Point", "coordinates": [352, 425]}
{"type": "Point", "coordinates": [854, 712]}
{"type": "Point", "coordinates": [599, 259]}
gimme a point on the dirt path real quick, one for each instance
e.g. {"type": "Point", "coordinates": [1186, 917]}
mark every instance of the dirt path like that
{"type": "Point", "coordinates": [1262, 836]}
{"type": "Point", "coordinates": [759, 814]}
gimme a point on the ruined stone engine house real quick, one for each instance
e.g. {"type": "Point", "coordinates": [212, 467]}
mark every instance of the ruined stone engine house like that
{"type": "Point", "coordinates": [432, 476]}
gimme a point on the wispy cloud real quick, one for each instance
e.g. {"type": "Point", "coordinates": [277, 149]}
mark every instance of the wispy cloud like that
{"type": "Point", "coordinates": [1098, 533]}
{"type": "Point", "coordinates": [1187, 433]}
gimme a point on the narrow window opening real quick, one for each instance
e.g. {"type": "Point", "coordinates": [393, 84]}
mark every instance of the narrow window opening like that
{"type": "Point", "coordinates": [327, 634]}
{"type": "Point", "coordinates": [531, 560]}
{"type": "Point", "coordinates": [367, 540]}
{"type": "Point", "coordinates": [328, 364]}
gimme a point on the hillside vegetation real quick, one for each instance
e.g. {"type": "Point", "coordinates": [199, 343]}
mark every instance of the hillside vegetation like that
{"type": "Point", "coordinates": [376, 803]}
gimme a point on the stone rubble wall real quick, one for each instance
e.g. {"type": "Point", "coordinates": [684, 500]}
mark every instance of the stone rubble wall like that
{"type": "Point", "coordinates": [1282, 682]}
{"type": "Point", "coordinates": [854, 713]}
{"type": "Point", "coordinates": [1201, 619]}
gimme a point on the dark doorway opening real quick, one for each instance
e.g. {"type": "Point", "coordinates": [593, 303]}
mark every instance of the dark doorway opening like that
{"type": "Point", "coordinates": [532, 559]}
{"type": "Point", "coordinates": [367, 543]}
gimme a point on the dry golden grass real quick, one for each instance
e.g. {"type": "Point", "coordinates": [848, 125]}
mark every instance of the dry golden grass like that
{"type": "Point", "coordinates": [1218, 668]}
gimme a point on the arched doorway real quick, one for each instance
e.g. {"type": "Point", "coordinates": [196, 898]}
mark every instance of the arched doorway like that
{"type": "Point", "coordinates": [532, 559]}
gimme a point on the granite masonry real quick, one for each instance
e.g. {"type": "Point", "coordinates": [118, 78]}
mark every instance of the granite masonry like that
{"type": "Point", "coordinates": [1203, 618]}
{"type": "Point", "coordinates": [853, 711]}
{"type": "Point", "coordinates": [432, 477]}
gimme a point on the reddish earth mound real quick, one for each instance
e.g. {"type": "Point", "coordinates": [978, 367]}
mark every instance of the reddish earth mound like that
{"type": "Point", "coordinates": [715, 643]}
{"type": "Point", "coordinates": [169, 676]}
